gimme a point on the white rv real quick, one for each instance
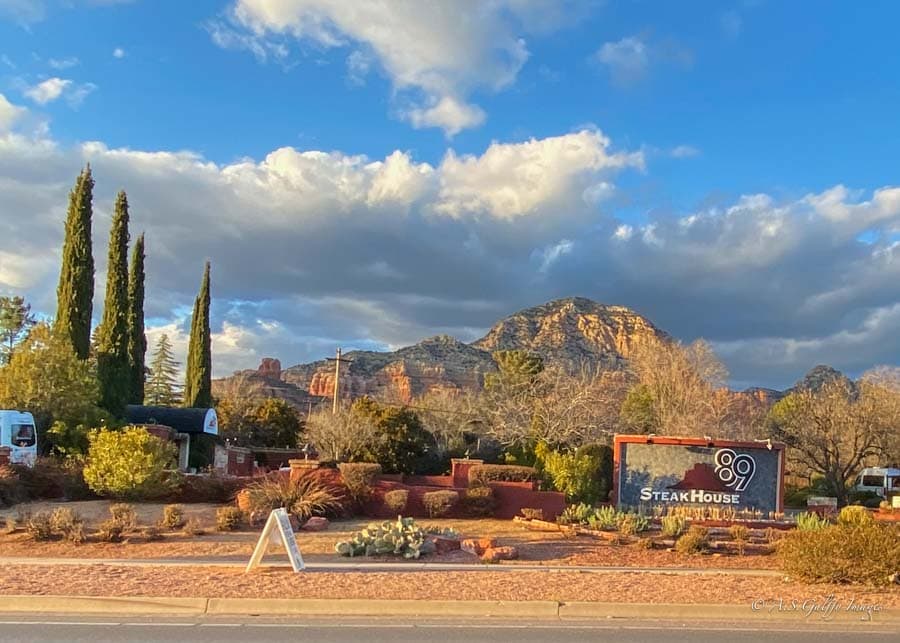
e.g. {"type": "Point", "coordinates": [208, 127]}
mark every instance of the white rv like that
{"type": "Point", "coordinates": [883, 481]}
{"type": "Point", "coordinates": [17, 432]}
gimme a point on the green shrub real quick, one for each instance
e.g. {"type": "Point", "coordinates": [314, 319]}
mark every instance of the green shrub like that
{"type": "Point", "coordinates": [229, 519]}
{"type": "Point", "coordinates": [672, 526]}
{"type": "Point", "coordinates": [695, 541]}
{"type": "Point", "coordinates": [630, 524]}
{"type": "Point", "coordinates": [396, 500]}
{"type": "Point", "coordinates": [577, 474]}
{"type": "Point", "coordinates": [808, 521]}
{"type": "Point", "coordinates": [531, 513]}
{"type": "Point", "coordinates": [854, 515]}
{"type": "Point", "coordinates": [398, 538]}
{"type": "Point", "coordinates": [439, 503]}
{"type": "Point", "coordinates": [481, 474]}
{"type": "Point", "coordinates": [863, 553]}
{"type": "Point", "coordinates": [173, 517]}
{"type": "Point", "coordinates": [110, 531]}
{"type": "Point", "coordinates": [578, 514]}
{"type": "Point", "coordinates": [605, 517]}
{"type": "Point", "coordinates": [129, 463]}
{"type": "Point", "coordinates": [304, 498]}
{"type": "Point", "coordinates": [865, 498]}
{"type": "Point", "coordinates": [124, 514]}
{"type": "Point", "coordinates": [39, 526]}
{"type": "Point", "coordinates": [437, 530]}
{"type": "Point", "coordinates": [359, 478]}
{"type": "Point", "coordinates": [479, 502]}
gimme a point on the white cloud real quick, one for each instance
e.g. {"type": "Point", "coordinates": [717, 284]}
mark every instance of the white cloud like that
{"type": "Point", "coordinates": [23, 11]}
{"type": "Point", "coordinates": [48, 90]}
{"type": "Point", "coordinates": [52, 89]}
{"type": "Point", "coordinates": [118, 52]}
{"type": "Point", "coordinates": [627, 59]}
{"type": "Point", "coordinates": [684, 152]}
{"type": "Point", "coordinates": [63, 63]}
{"type": "Point", "coordinates": [436, 53]}
{"type": "Point", "coordinates": [9, 114]}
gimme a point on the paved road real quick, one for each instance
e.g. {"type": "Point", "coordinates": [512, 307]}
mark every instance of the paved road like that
{"type": "Point", "coordinates": [169, 630]}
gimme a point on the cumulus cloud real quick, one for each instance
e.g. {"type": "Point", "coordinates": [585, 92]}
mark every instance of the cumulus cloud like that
{"type": "Point", "coordinates": [9, 114]}
{"type": "Point", "coordinates": [52, 89]}
{"type": "Point", "coordinates": [313, 249]}
{"type": "Point", "coordinates": [629, 60]}
{"type": "Point", "coordinates": [435, 54]}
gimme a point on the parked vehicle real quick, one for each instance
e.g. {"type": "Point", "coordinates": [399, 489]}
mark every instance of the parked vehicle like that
{"type": "Point", "coordinates": [881, 480]}
{"type": "Point", "coordinates": [18, 433]}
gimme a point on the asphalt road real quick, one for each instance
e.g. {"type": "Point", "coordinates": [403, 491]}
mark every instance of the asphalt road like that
{"type": "Point", "coordinates": [227, 630]}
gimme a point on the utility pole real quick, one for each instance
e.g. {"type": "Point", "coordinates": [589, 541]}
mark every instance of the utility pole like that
{"type": "Point", "coordinates": [337, 377]}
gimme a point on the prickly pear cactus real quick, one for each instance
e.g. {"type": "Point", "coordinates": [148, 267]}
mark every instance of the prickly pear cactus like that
{"type": "Point", "coordinates": [399, 538]}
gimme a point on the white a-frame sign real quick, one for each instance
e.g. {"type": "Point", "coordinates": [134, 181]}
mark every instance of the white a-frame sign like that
{"type": "Point", "coordinates": [278, 525]}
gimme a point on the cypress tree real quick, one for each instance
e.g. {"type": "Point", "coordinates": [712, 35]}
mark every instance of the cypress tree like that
{"type": "Point", "coordinates": [137, 340]}
{"type": "Point", "coordinates": [113, 360]}
{"type": "Point", "coordinates": [198, 379]}
{"type": "Point", "coordinates": [75, 293]}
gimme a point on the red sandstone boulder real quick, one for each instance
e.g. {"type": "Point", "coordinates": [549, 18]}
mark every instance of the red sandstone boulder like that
{"type": "Point", "coordinates": [316, 523]}
{"type": "Point", "coordinates": [444, 545]}
{"type": "Point", "coordinates": [477, 546]}
{"type": "Point", "coordinates": [495, 554]}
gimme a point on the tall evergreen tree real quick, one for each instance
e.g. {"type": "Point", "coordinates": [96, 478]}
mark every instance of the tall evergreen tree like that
{"type": "Point", "coordinates": [113, 361]}
{"type": "Point", "coordinates": [75, 293]}
{"type": "Point", "coordinates": [16, 319]}
{"type": "Point", "coordinates": [198, 379]}
{"type": "Point", "coordinates": [162, 387]}
{"type": "Point", "coordinates": [137, 340]}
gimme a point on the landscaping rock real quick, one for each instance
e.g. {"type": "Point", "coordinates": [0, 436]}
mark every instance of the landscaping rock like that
{"type": "Point", "coordinates": [444, 545]}
{"type": "Point", "coordinates": [316, 523]}
{"type": "Point", "coordinates": [495, 554]}
{"type": "Point", "coordinates": [477, 546]}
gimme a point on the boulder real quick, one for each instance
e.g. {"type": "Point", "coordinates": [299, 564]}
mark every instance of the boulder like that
{"type": "Point", "coordinates": [477, 546]}
{"type": "Point", "coordinates": [495, 554]}
{"type": "Point", "coordinates": [444, 545]}
{"type": "Point", "coordinates": [316, 523]}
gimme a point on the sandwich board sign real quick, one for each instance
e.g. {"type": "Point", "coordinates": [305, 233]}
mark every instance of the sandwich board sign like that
{"type": "Point", "coordinates": [278, 527]}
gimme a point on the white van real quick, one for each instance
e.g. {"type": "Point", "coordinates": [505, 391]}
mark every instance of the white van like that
{"type": "Point", "coordinates": [17, 432]}
{"type": "Point", "coordinates": [883, 481]}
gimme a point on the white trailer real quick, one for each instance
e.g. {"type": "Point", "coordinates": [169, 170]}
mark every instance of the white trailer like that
{"type": "Point", "coordinates": [882, 480]}
{"type": "Point", "coordinates": [17, 432]}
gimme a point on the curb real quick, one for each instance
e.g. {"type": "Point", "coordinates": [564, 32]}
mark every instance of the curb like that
{"type": "Point", "coordinates": [536, 610]}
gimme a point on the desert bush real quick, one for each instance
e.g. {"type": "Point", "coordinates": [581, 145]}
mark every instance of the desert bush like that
{"type": "Point", "coordinates": [399, 538]}
{"type": "Point", "coordinates": [808, 521]}
{"type": "Point", "coordinates": [124, 514]}
{"type": "Point", "coordinates": [740, 534]}
{"type": "Point", "coordinates": [645, 543]}
{"type": "Point", "coordinates": [437, 530]}
{"type": "Point", "coordinates": [229, 519]}
{"type": "Point", "coordinates": [854, 515]}
{"type": "Point", "coordinates": [439, 503]}
{"type": "Point", "coordinates": [63, 518]}
{"type": "Point", "coordinates": [773, 535]}
{"type": "Point", "coordinates": [630, 524]}
{"type": "Point", "coordinates": [211, 487]}
{"type": "Point", "coordinates": [576, 514]}
{"type": "Point", "coordinates": [304, 498]}
{"type": "Point", "coordinates": [151, 533]}
{"type": "Point", "coordinates": [396, 500]}
{"type": "Point", "coordinates": [532, 513]}
{"type": "Point", "coordinates": [481, 474]}
{"type": "Point", "coordinates": [173, 517]}
{"type": "Point", "coordinates": [694, 541]}
{"type": "Point", "coordinates": [865, 553]}
{"type": "Point", "coordinates": [129, 463]}
{"type": "Point", "coordinates": [75, 533]}
{"type": "Point", "coordinates": [39, 526]}
{"type": "Point", "coordinates": [359, 477]}
{"type": "Point", "coordinates": [110, 531]}
{"type": "Point", "coordinates": [605, 517]}
{"type": "Point", "coordinates": [578, 474]}
{"type": "Point", "coordinates": [193, 527]}
{"type": "Point", "coordinates": [672, 526]}
{"type": "Point", "coordinates": [479, 501]}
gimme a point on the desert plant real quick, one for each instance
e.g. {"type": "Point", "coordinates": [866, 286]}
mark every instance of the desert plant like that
{"type": "Point", "coordinates": [110, 531]}
{"type": "Point", "coordinates": [39, 526]}
{"type": "Point", "coordinates": [479, 501]}
{"type": "Point", "coordinates": [10, 525]}
{"type": "Point", "coordinates": [129, 463]}
{"type": "Point", "coordinates": [740, 534]}
{"type": "Point", "coordinates": [481, 474]}
{"type": "Point", "coordinates": [437, 530]}
{"type": "Point", "coordinates": [151, 533]}
{"type": "Point", "coordinates": [531, 513]}
{"type": "Point", "coordinates": [75, 533]}
{"type": "Point", "coordinates": [439, 503]}
{"type": "Point", "coordinates": [396, 500]}
{"type": "Point", "coordinates": [576, 514]}
{"type": "Point", "coordinates": [695, 541]}
{"type": "Point", "coordinates": [808, 521]}
{"type": "Point", "coordinates": [229, 518]}
{"type": "Point", "coordinates": [854, 515]}
{"type": "Point", "coordinates": [124, 514]}
{"type": "Point", "coordinates": [192, 527]}
{"type": "Point", "coordinates": [399, 538]}
{"type": "Point", "coordinates": [672, 526]}
{"type": "Point", "coordinates": [304, 498]}
{"type": "Point", "coordinates": [645, 543]}
{"type": "Point", "coordinates": [12, 489]}
{"type": "Point", "coordinates": [173, 517]}
{"type": "Point", "coordinates": [773, 535]}
{"type": "Point", "coordinates": [866, 553]}
{"type": "Point", "coordinates": [630, 524]}
{"type": "Point", "coordinates": [605, 517]}
{"type": "Point", "coordinates": [68, 524]}
{"type": "Point", "coordinates": [359, 477]}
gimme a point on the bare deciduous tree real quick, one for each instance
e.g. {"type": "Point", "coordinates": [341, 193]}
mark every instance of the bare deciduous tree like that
{"type": "Point", "coordinates": [339, 436]}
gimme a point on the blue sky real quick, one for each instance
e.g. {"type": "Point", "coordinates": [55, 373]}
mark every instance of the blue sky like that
{"type": "Point", "coordinates": [701, 106]}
